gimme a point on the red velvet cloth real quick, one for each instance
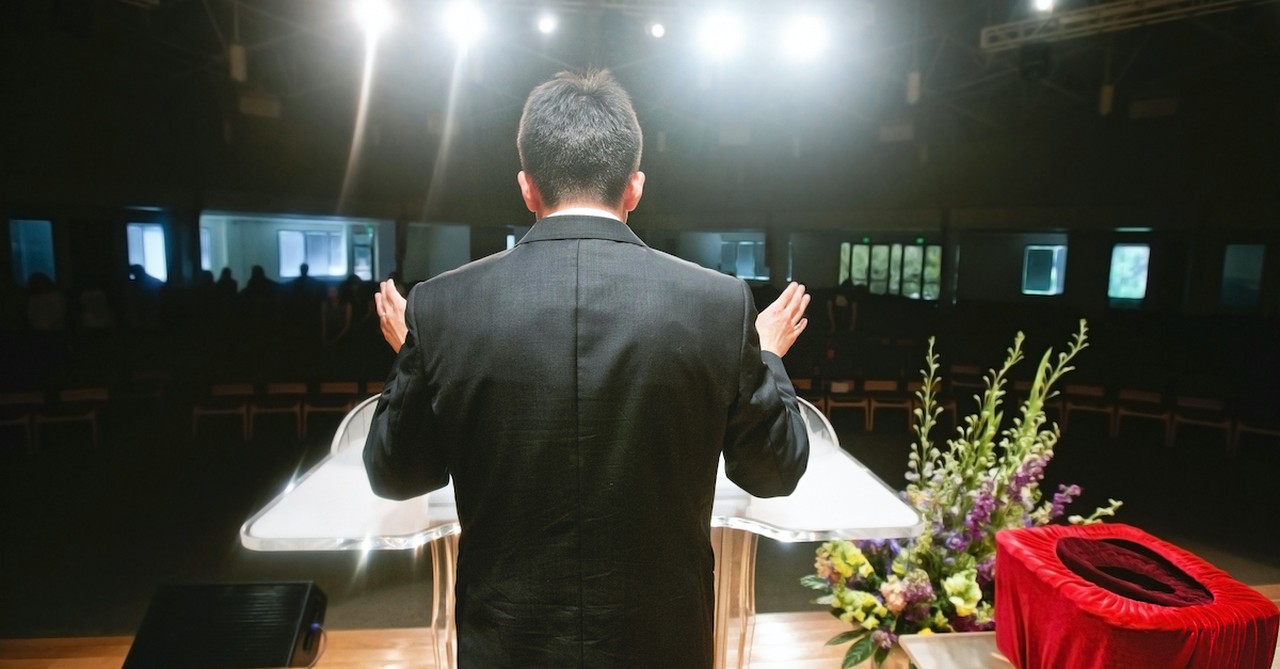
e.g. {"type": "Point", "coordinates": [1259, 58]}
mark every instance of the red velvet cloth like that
{"type": "Point", "coordinates": [1049, 616]}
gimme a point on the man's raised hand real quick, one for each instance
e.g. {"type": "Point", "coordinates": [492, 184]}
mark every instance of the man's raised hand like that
{"type": "Point", "coordinates": [782, 322]}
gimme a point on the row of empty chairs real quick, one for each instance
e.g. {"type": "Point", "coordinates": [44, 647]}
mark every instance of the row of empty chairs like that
{"type": "Point", "coordinates": [32, 411]}
{"type": "Point", "coordinates": [1116, 405]}
{"type": "Point", "coordinates": [28, 417]}
{"type": "Point", "coordinates": [1170, 410]}
{"type": "Point", "coordinates": [248, 402]}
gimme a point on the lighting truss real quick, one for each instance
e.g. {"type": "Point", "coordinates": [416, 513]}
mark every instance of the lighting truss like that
{"type": "Point", "coordinates": [1098, 19]}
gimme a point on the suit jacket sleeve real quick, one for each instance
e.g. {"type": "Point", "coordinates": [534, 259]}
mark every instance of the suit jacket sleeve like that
{"type": "Point", "coordinates": [403, 454]}
{"type": "Point", "coordinates": [766, 445]}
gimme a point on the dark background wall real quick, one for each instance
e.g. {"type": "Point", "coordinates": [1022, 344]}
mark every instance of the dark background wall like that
{"type": "Point", "coordinates": [117, 112]}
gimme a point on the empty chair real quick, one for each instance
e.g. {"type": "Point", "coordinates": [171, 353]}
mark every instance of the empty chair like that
{"type": "Point", "coordinates": [329, 397]}
{"type": "Point", "coordinates": [1206, 412]}
{"type": "Point", "coordinates": [18, 409]}
{"type": "Point", "coordinates": [1086, 398]}
{"type": "Point", "coordinates": [885, 394]}
{"type": "Point", "coordinates": [964, 376]}
{"type": "Point", "coordinates": [73, 406]}
{"type": "Point", "coordinates": [225, 399]}
{"type": "Point", "coordinates": [1254, 415]}
{"type": "Point", "coordinates": [810, 389]}
{"type": "Point", "coordinates": [279, 398]}
{"type": "Point", "coordinates": [841, 395]}
{"type": "Point", "coordinates": [1144, 404]}
{"type": "Point", "coordinates": [147, 386]}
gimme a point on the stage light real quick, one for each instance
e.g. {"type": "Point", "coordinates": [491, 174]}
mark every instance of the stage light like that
{"type": "Point", "coordinates": [657, 30]}
{"type": "Point", "coordinates": [1043, 5]}
{"type": "Point", "coordinates": [546, 24]}
{"type": "Point", "coordinates": [804, 38]}
{"type": "Point", "coordinates": [374, 16]}
{"type": "Point", "coordinates": [721, 35]}
{"type": "Point", "coordinates": [465, 24]}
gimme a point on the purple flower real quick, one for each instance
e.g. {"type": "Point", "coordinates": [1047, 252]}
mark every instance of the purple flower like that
{"type": "Point", "coordinates": [883, 638]}
{"type": "Point", "coordinates": [979, 516]}
{"type": "Point", "coordinates": [957, 541]}
{"type": "Point", "coordinates": [987, 572]}
{"type": "Point", "coordinates": [968, 624]}
{"type": "Point", "coordinates": [1029, 471]}
{"type": "Point", "coordinates": [1064, 496]}
{"type": "Point", "coordinates": [917, 613]}
{"type": "Point", "coordinates": [916, 587]}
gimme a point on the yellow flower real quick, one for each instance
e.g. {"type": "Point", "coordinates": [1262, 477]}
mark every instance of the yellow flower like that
{"type": "Point", "coordinates": [962, 608]}
{"type": "Point", "coordinates": [865, 570]}
{"type": "Point", "coordinates": [859, 615]}
{"type": "Point", "coordinates": [925, 631]}
{"type": "Point", "coordinates": [870, 623]}
{"type": "Point", "coordinates": [963, 592]}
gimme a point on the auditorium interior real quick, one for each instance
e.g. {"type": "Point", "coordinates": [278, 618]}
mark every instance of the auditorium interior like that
{"type": "Point", "coordinates": [172, 164]}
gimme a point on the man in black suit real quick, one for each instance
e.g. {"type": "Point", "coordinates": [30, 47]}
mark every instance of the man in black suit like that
{"type": "Point", "coordinates": [580, 388]}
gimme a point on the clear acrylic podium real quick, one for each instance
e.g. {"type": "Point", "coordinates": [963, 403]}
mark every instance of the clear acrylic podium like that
{"type": "Point", "coordinates": [332, 508]}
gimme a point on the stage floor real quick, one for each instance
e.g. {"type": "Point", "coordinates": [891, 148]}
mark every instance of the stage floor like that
{"type": "Point", "coordinates": [782, 641]}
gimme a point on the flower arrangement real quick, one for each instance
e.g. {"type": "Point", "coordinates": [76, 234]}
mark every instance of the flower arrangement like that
{"type": "Point", "coordinates": [987, 478]}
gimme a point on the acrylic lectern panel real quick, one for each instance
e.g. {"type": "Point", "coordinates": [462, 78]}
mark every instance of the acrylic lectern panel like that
{"type": "Point", "coordinates": [332, 508]}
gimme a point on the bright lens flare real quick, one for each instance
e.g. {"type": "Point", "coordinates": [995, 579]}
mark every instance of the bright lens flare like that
{"type": "Point", "coordinates": [465, 23]}
{"type": "Point", "coordinates": [721, 35]}
{"type": "Point", "coordinates": [657, 30]}
{"type": "Point", "coordinates": [804, 38]}
{"type": "Point", "coordinates": [374, 16]}
{"type": "Point", "coordinates": [1044, 5]}
{"type": "Point", "coordinates": [547, 24]}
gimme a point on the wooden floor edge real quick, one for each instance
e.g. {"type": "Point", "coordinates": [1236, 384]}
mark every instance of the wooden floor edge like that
{"type": "Point", "coordinates": [782, 640]}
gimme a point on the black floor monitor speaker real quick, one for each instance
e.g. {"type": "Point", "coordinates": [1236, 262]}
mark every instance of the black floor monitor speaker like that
{"type": "Point", "coordinates": [230, 626]}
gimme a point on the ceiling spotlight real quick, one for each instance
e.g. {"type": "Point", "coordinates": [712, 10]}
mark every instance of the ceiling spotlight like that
{"type": "Point", "coordinates": [546, 24]}
{"type": "Point", "coordinates": [804, 38]}
{"type": "Point", "coordinates": [1043, 5]}
{"type": "Point", "coordinates": [374, 16]}
{"type": "Point", "coordinates": [721, 35]}
{"type": "Point", "coordinates": [657, 30]}
{"type": "Point", "coordinates": [465, 24]}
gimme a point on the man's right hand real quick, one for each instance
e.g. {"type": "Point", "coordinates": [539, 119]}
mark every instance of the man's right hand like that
{"type": "Point", "coordinates": [782, 322]}
{"type": "Point", "coordinates": [391, 308]}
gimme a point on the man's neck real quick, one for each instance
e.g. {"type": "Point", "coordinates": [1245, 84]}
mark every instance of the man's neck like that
{"type": "Point", "coordinates": [584, 209]}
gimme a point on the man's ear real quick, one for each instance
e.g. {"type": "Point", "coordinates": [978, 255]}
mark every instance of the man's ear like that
{"type": "Point", "coordinates": [529, 191]}
{"type": "Point", "coordinates": [631, 194]}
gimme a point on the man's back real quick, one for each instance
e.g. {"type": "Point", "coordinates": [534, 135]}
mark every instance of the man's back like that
{"type": "Point", "coordinates": [580, 388]}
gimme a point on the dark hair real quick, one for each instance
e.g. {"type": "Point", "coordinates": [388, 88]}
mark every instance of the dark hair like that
{"type": "Point", "coordinates": [579, 138]}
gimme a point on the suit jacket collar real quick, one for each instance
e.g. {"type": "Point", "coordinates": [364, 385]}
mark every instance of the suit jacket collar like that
{"type": "Point", "coordinates": [581, 227]}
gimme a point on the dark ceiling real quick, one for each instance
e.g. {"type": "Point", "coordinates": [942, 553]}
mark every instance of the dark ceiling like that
{"type": "Point", "coordinates": [138, 95]}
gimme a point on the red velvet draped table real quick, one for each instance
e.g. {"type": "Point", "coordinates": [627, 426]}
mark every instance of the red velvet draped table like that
{"type": "Point", "coordinates": [1111, 595]}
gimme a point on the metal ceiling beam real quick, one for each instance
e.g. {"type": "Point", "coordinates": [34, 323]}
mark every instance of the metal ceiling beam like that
{"type": "Point", "coordinates": [1099, 19]}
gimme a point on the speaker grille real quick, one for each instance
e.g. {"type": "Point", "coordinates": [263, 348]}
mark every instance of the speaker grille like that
{"type": "Point", "coordinates": [234, 626]}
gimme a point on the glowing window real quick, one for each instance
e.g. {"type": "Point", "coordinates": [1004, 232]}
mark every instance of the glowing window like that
{"type": "Point", "coordinates": [31, 249]}
{"type": "Point", "coordinates": [147, 248]}
{"type": "Point", "coordinates": [932, 274]}
{"type": "Point", "coordinates": [324, 253]}
{"type": "Point", "coordinates": [910, 270]}
{"type": "Point", "coordinates": [206, 249]}
{"type": "Point", "coordinates": [1242, 275]}
{"type": "Point", "coordinates": [879, 269]}
{"type": "Point", "coordinates": [1128, 272]}
{"type": "Point", "coordinates": [1044, 270]}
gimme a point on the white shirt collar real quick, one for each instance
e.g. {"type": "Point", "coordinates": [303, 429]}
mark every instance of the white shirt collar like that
{"type": "Point", "coordinates": [586, 211]}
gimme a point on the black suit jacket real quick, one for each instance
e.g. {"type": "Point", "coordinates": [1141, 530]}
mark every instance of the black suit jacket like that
{"type": "Point", "coordinates": [580, 388]}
